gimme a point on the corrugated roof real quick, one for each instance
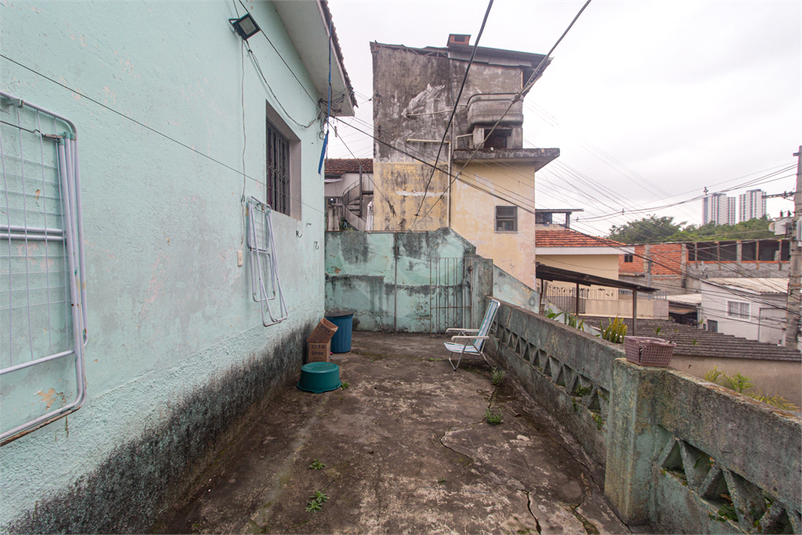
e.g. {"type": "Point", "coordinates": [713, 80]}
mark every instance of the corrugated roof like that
{"type": "Point", "coordinates": [753, 284]}
{"type": "Point", "coordinates": [570, 238]}
{"type": "Point", "coordinates": [688, 299]}
{"type": "Point", "coordinates": [340, 166]}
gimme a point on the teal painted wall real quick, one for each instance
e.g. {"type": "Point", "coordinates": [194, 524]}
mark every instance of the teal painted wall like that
{"type": "Point", "coordinates": [175, 338]}
{"type": "Point", "coordinates": [385, 293]}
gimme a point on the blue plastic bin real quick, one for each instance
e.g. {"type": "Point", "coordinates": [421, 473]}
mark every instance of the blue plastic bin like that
{"type": "Point", "coordinates": [341, 342]}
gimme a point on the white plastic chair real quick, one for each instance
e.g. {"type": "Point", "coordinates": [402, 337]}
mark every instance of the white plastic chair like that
{"type": "Point", "coordinates": [471, 341]}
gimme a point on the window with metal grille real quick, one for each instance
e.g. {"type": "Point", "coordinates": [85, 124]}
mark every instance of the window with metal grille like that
{"type": "Point", "coordinates": [278, 170]}
{"type": "Point", "coordinates": [738, 309]}
{"type": "Point", "coordinates": [506, 219]}
{"type": "Point", "coordinates": [629, 258]}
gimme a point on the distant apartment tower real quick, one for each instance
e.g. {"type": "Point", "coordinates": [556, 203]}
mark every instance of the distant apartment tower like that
{"type": "Point", "coordinates": [719, 209]}
{"type": "Point", "coordinates": [752, 204]}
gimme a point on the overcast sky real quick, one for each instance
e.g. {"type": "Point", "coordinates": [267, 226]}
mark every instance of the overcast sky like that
{"type": "Point", "coordinates": [649, 102]}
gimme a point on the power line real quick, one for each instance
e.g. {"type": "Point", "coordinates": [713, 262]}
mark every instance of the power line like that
{"type": "Point", "coordinates": [149, 128]}
{"type": "Point", "coordinates": [513, 100]}
{"type": "Point", "coordinates": [453, 111]}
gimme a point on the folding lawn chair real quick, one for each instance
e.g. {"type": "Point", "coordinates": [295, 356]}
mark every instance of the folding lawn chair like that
{"type": "Point", "coordinates": [471, 341]}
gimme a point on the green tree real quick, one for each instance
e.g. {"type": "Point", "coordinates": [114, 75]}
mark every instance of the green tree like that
{"type": "Point", "coordinates": [651, 229]}
{"type": "Point", "coordinates": [754, 229]}
{"type": "Point", "coordinates": [654, 229]}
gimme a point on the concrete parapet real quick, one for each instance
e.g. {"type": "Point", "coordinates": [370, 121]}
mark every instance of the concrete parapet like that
{"type": "Point", "coordinates": [676, 452]}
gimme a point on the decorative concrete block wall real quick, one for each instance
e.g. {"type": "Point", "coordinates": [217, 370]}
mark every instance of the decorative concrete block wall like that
{"type": "Point", "coordinates": [676, 452]}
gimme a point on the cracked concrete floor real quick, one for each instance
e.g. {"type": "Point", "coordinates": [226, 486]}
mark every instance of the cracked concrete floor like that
{"type": "Point", "coordinates": [406, 449]}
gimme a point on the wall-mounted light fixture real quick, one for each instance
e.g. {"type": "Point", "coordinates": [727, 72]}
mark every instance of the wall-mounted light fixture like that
{"type": "Point", "coordinates": [245, 26]}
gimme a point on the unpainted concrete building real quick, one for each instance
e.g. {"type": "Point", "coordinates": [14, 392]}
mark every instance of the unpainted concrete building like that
{"type": "Point", "coordinates": [483, 185]}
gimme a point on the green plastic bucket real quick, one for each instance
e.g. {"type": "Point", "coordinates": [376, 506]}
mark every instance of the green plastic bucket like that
{"type": "Point", "coordinates": [318, 377]}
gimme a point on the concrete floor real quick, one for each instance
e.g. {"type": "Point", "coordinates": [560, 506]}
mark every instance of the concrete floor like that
{"type": "Point", "coordinates": [406, 449]}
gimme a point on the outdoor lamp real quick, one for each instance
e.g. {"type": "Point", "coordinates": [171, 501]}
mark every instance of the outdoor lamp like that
{"type": "Point", "coordinates": [245, 26]}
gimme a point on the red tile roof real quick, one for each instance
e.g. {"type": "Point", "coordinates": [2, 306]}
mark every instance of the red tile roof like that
{"type": "Point", "coordinates": [570, 238]}
{"type": "Point", "coordinates": [340, 166]}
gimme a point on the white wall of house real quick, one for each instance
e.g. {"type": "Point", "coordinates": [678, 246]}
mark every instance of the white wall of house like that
{"type": "Point", "coordinates": [745, 314]}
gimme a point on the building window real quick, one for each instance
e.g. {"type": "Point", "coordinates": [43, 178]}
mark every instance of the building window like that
{"type": "Point", "coordinates": [738, 309]}
{"type": "Point", "coordinates": [506, 219]}
{"type": "Point", "coordinates": [712, 326]}
{"type": "Point", "coordinates": [278, 170]}
{"type": "Point", "coordinates": [628, 258]}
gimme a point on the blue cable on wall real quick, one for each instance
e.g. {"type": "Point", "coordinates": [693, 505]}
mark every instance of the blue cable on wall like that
{"type": "Point", "coordinates": [328, 110]}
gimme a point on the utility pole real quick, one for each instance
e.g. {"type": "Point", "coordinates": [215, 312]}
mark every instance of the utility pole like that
{"type": "Point", "coordinates": [794, 303]}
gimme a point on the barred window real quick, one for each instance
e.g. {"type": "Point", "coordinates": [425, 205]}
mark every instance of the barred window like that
{"type": "Point", "coordinates": [629, 257]}
{"type": "Point", "coordinates": [278, 170]}
{"type": "Point", "coordinates": [506, 219]}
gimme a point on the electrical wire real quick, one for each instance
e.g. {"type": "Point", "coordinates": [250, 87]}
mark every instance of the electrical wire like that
{"type": "Point", "coordinates": [314, 101]}
{"type": "Point", "coordinates": [453, 110]}
{"type": "Point", "coordinates": [532, 79]}
{"type": "Point", "coordinates": [151, 129]}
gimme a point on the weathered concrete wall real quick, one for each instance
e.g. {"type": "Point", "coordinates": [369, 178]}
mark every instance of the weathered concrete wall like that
{"type": "Point", "coordinates": [404, 83]}
{"type": "Point", "coordinates": [177, 353]}
{"type": "Point", "coordinates": [770, 377]}
{"type": "Point", "coordinates": [480, 189]}
{"type": "Point", "coordinates": [710, 460]}
{"type": "Point", "coordinates": [412, 95]}
{"type": "Point", "coordinates": [568, 371]}
{"type": "Point", "coordinates": [677, 452]}
{"type": "Point", "coordinates": [385, 277]}
{"type": "Point", "coordinates": [508, 288]}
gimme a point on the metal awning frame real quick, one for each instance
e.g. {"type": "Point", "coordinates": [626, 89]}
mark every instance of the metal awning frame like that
{"type": "Point", "coordinates": [552, 274]}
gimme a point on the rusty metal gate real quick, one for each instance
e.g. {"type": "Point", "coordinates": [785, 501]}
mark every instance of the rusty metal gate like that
{"type": "Point", "coordinates": [449, 293]}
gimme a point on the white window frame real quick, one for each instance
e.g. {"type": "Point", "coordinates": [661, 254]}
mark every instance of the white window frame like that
{"type": "Point", "coordinates": [739, 310]}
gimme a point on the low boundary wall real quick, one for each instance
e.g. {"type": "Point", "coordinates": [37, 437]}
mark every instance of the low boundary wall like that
{"type": "Point", "coordinates": [677, 452]}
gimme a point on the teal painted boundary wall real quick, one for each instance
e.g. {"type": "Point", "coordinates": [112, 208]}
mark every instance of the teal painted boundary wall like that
{"type": "Point", "coordinates": [509, 289]}
{"type": "Point", "coordinates": [177, 356]}
{"type": "Point", "coordinates": [384, 277]}
{"type": "Point", "coordinates": [667, 445]}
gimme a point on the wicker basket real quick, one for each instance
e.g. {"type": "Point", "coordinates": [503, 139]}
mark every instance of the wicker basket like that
{"type": "Point", "coordinates": [647, 351]}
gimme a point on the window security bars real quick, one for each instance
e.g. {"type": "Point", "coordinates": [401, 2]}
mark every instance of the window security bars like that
{"type": "Point", "coordinates": [43, 306]}
{"type": "Point", "coordinates": [278, 170]}
{"type": "Point", "coordinates": [265, 282]}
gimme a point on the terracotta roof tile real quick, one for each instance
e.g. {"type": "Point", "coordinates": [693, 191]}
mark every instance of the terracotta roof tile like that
{"type": "Point", "coordinates": [570, 238]}
{"type": "Point", "coordinates": [340, 166]}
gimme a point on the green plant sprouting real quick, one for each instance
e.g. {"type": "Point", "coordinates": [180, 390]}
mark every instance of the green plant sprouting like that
{"type": "Point", "coordinates": [572, 320]}
{"type": "Point", "coordinates": [497, 376]}
{"type": "Point", "coordinates": [615, 331]}
{"type": "Point", "coordinates": [739, 383]}
{"type": "Point", "coordinates": [599, 421]}
{"type": "Point", "coordinates": [317, 465]}
{"type": "Point", "coordinates": [492, 417]}
{"type": "Point", "coordinates": [316, 501]}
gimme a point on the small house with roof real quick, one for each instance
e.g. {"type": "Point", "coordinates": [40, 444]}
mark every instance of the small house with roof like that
{"type": "Point", "coordinates": [754, 308]}
{"type": "Point", "coordinates": [349, 193]}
